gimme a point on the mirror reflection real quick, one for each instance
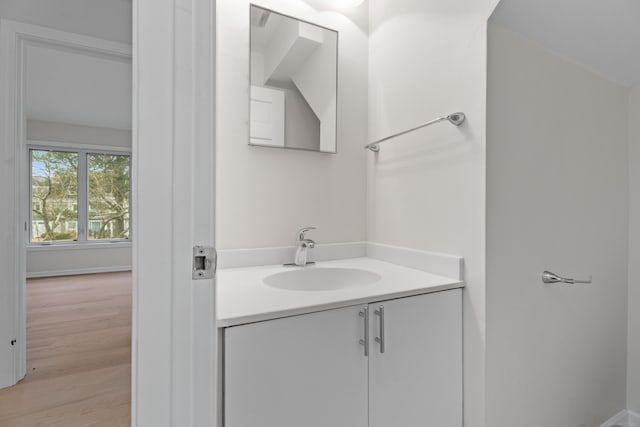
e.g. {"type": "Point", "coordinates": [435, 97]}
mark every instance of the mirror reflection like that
{"type": "Point", "coordinates": [293, 83]}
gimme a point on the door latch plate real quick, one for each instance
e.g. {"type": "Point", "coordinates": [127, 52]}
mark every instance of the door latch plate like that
{"type": "Point", "coordinates": [205, 262]}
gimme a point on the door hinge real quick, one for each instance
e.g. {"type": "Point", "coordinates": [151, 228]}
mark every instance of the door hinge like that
{"type": "Point", "coordinates": [205, 262]}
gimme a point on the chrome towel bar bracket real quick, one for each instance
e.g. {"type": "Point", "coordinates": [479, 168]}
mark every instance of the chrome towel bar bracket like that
{"type": "Point", "coordinates": [549, 277]}
{"type": "Point", "coordinates": [455, 119]}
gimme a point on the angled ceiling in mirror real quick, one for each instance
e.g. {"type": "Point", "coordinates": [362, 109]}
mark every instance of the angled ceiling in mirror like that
{"type": "Point", "coordinates": [293, 72]}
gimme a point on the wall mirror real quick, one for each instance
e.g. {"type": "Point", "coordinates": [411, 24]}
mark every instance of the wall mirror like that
{"type": "Point", "coordinates": [294, 76]}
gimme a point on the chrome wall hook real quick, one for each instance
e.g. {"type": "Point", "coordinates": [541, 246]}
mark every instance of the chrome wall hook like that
{"type": "Point", "coordinates": [549, 277]}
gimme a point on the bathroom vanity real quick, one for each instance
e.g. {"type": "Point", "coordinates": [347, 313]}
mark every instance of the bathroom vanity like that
{"type": "Point", "coordinates": [378, 345]}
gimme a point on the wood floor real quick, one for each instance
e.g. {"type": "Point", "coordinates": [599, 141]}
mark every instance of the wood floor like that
{"type": "Point", "coordinates": [78, 354]}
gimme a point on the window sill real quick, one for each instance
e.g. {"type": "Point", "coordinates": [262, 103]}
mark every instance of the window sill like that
{"type": "Point", "coordinates": [35, 247]}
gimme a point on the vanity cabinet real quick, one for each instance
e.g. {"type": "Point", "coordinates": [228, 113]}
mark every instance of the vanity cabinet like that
{"type": "Point", "coordinates": [311, 370]}
{"type": "Point", "coordinates": [301, 371]}
{"type": "Point", "coordinates": [417, 381]}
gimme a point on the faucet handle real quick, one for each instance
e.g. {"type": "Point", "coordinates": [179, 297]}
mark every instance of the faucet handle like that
{"type": "Point", "coordinates": [303, 231]}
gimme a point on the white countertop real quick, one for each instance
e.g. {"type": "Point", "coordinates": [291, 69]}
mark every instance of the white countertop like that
{"type": "Point", "coordinates": [242, 297]}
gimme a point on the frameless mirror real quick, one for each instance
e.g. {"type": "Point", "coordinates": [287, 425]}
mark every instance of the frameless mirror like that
{"type": "Point", "coordinates": [294, 75]}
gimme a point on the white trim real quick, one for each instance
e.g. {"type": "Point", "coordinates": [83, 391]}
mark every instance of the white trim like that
{"type": "Point", "coordinates": [11, 263]}
{"type": "Point", "coordinates": [620, 417]}
{"type": "Point", "coordinates": [78, 271]}
{"type": "Point", "coordinates": [204, 345]}
{"type": "Point", "coordinates": [72, 146]}
{"type": "Point", "coordinates": [15, 37]}
{"type": "Point", "coordinates": [174, 345]}
{"type": "Point", "coordinates": [52, 38]}
{"type": "Point", "coordinates": [80, 246]}
{"type": "Point", "coordinates": [135, 113]}
{"type": "Point", "coordinates": [624, 418]}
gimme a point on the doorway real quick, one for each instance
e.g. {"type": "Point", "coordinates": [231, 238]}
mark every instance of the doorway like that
{"type": "Point", "coordinates": [72, 315]}
{"type": "Point", "coordinates": [174, 341]}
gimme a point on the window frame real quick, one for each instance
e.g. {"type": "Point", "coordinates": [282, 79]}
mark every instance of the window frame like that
{"type": "Point", "coordinates": [82, 150]}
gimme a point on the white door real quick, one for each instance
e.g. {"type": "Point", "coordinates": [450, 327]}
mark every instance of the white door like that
{"type": "Point", "coordinates": [174, 343]}
{"type": "Point", "coordinates": [417, 381]}
{"type": "Point", "coordinates": [302, 371]}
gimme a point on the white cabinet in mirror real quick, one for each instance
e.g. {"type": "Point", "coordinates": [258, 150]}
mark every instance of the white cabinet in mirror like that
{"type": "Point", "coordinates": [294, 79]}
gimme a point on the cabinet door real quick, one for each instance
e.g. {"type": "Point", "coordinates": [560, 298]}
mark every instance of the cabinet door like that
{"type": "Point", "coordinates": [417, 381]}
{"type": "Point", "coordinates": [301, 371]}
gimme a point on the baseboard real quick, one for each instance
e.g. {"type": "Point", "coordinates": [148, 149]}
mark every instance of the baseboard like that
{"type": "Point", "coordinates": [624, 419]}
{"type": "Point", "coordinates": [78, 271]}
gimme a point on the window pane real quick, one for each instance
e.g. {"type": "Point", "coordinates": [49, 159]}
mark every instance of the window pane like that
{"type": "Point", "coordinates": [108, 196]}
{"type": "Point", "coordinates": [54, 195]}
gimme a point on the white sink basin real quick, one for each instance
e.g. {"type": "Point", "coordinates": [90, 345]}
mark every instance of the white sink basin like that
{"type": "Point", "coordinates": [321, 279]}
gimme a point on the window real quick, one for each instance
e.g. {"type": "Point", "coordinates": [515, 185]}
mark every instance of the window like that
{"type": "Point", "coordinates": [108, 205]}
{"type": "Point", "coordinates": [79, 195]}
{"type": "Point", "coordinates": [54, 190]}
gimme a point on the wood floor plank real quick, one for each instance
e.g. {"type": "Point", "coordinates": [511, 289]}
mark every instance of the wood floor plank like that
{"type": "Point", "coordinates": [78, 354]}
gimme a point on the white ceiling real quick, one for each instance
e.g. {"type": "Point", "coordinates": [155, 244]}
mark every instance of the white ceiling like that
{"type": "Point", "coordinates": [83, 89]}
{"type": "Point", "coordinates": [603, 35]}
{"type": "Point", "coordinates": [261, 36]}
{"type": "Point", "coordinates": [105, 19]}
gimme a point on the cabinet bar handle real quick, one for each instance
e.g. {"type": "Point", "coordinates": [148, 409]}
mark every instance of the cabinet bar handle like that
{"type": "Point", "coordinates": [364, 313]}
{"type": "Point", "coordinates": [380, 340]}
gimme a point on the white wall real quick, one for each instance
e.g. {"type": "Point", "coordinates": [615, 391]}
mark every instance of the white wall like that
{"type": "Point", "coordinates": [633, 368]}
{"type": "Point", "coordinates": [317, 81]}
{"type": "Point", "coordinates": [52, 261]}
{"type": "Point", "coordinates": [557, 185]}
{"type": "Point", "coordinates": [40, 130]}
{"type": "Point", "coordinates": [70, 86]}
{"type": "Point", "coordinates": [110, 20]}
{"type": "Point", "coordinates": [264, 195]}
{"type": "Point", "coordinates": [426, 189]}
{"type": "Point", "coordinates": [47, 261]}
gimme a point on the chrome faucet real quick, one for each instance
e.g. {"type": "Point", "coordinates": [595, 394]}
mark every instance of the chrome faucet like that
{"type": "Point", "coordinates": [303, 244]}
